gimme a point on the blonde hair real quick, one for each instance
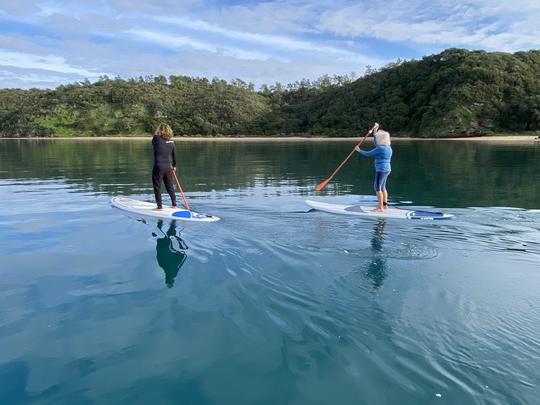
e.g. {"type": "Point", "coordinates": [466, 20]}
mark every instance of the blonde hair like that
{"type": "Point", "coordinates": [164, 131]}
{"type": "Point", "coordinates": [382, 137]}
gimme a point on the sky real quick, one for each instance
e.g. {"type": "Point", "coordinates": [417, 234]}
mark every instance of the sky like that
{"type": "Point", "coordinates": [47, 43]}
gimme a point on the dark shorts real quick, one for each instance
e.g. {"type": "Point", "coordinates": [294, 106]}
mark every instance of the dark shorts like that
{"type": "Point", "coordinates": [380, 180]}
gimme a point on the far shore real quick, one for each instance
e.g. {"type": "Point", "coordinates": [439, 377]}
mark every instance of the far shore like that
{"type": "Point", "coordinates": [494, 138]}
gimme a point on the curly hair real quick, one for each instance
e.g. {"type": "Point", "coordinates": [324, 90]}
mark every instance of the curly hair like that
{"type": "Point", "coordinates": [164, 131]}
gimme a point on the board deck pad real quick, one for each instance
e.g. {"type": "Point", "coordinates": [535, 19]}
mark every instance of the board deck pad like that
{"type": "Point", "coordinates": [366, 211]}
{"type": "Point", "coordinates": [148, 209]}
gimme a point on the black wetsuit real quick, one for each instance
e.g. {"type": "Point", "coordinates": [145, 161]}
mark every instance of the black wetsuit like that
{"type": "Point", "coordinates": [164, 161]}
{"type": "Point", "coordinates": [169, 257]}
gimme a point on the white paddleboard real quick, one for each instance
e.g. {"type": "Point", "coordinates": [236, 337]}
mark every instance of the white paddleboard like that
{"type": "Point", "coordinates": [366, 211]}
{"type": "Point", "coordinates": [372, 199]}
{"type": "Point", "coordinates": [148, 209]}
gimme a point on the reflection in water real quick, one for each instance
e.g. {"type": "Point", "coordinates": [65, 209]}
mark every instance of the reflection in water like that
{"type": "Point", "coordinates": [377, 267]}
{"type": "Point", "coordinates": [280, 300]}
{"type": "Point", "coordinates": [170, 252]}
{"type": "Point", "coordinates": [94, 166]}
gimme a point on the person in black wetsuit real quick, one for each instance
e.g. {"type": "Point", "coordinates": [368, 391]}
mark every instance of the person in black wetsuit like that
{"type": "Point", "coordinates": [164, 163]}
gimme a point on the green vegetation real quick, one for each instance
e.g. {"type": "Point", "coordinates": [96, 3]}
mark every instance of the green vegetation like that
{"type": "Point", "coordinates": [454, 93]}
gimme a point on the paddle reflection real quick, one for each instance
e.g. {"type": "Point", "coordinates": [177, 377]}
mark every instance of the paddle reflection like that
{"type": "Point", "coordinates": [377, 267]}
{"type": "Point", "coordinates": [170, 251]}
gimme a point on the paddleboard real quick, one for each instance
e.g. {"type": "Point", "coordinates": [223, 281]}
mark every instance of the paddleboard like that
{"type": "Point", "coordinates": [148, 209]}
{"type": "Point", "coordinates": [366, 211]}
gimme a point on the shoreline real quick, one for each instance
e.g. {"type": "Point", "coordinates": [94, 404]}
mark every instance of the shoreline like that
{"type": "Point", "coordinates": [494, 138]}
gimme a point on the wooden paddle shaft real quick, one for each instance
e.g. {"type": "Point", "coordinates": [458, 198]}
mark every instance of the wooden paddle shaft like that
{"type": "Point", "coordinates": [180, 189]}
{"type": "Point", "coordinates": [325, 182]}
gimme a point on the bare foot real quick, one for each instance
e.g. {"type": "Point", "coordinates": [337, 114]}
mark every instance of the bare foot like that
{"type": "Point", "coordinates": [158, 209]}
{"type": "Point", "coordinates": [377, 210]}
{"type": "Point", "coordinates": [174, 206]}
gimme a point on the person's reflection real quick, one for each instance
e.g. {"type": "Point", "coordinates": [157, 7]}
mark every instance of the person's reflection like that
{"type": "Point", "coordinates": [377, 267]}
{"type": "Point", "coordinates": [170, 252]}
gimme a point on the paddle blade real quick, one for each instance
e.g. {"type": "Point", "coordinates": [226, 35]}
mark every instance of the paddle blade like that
{"type": "Point", "coordinates": [322, 185]}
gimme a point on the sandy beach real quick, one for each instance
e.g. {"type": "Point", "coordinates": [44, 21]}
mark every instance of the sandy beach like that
{"type": "Point", "coordinates": [502, 138]}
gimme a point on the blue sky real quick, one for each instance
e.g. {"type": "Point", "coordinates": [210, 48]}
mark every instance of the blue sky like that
{"type": "Point", "coordinates": [46, 43]}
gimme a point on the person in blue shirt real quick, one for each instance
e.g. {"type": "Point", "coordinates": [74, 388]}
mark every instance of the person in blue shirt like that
{"type": "Point", "coordinates": [383, 155]}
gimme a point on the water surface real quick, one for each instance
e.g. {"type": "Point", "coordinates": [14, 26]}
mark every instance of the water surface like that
{"type": "Point", "coordinates": [274, 303]}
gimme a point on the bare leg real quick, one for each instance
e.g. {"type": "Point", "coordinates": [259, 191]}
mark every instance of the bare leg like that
{"type": "Point", "coordinates": [380, 200]}
{"type": "Point", "coordinates": [385, 198]}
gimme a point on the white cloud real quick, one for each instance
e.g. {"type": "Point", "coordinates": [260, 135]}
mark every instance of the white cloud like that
{"type": "Point", "coordinates": [176, 41]}
{"type": "Point", "coordinates": [151, 6]}
{"type": "Point", "coordinates": [274, 40]}
{"type": "Point", "coordinates": [267, 40]}
{"type": "Point", "coordinates": [14, 77]}
{"type": "Point", "coordinates": [115, 8]}
{"type": "Point", "coordinates": [490, 24]}
{"type": "Point", "coordinates": [50, 63]}
{"type": "Point", "coordinates": [276, 16]}
{"type": "Point", "coordinates": [20, 7]}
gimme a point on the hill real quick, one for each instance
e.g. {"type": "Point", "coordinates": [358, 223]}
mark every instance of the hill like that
{"type": "Point", "coordinates": [454, 93]}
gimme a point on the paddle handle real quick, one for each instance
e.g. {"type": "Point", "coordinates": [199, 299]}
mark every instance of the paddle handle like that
{"type": "Point", "coordinates": [180, 189]}
{"type": "Point", "coordinates": [325, 182]}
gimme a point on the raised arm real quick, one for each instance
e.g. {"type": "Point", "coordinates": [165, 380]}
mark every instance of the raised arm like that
{"type": "Point", "coordinates": [369, 153]}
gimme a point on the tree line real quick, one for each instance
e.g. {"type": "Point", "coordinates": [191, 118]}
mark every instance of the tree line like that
{"type": "Point", "coordinates": [453, 93]}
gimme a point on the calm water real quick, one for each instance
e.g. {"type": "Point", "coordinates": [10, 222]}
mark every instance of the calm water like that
{"type": "Point", "coordinates": [273, 304]}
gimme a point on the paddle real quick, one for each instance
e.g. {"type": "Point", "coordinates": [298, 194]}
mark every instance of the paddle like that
{"type": "Point", "coordinates": [320, 186]}
{"type": "Point", "coordinates": [180, 189]}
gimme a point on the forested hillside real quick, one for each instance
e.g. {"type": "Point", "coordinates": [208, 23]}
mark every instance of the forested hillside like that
{"type": "Point", "coordinates": [454, 93]}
